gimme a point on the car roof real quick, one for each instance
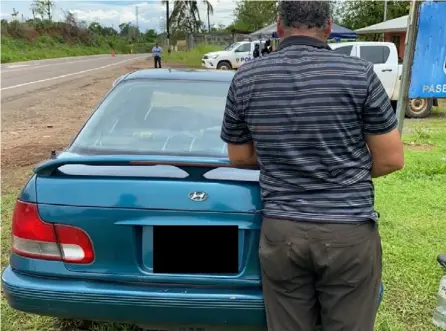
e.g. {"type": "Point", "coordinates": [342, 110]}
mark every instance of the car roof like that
{"type": "Point", "coordinates": [360, 43]}
{"type": "Point", "coordinates": [182, 74]}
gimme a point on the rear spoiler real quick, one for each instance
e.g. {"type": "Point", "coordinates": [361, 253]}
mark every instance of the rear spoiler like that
{"type": "Point", "coordinates": [196, 166]}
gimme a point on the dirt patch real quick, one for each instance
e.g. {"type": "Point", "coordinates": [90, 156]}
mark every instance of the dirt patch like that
{"type": "Point", "coordinates": [36, 123]}
{"type": "Point", "coordinates": [419, 147]}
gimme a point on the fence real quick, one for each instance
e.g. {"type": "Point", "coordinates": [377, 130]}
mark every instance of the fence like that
{"type": "Point", "coordinates": [192, 40]}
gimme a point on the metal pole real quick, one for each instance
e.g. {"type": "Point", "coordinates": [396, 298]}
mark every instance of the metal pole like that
{"type": "Point", "coordinates": [137, 21]}
{"type": "Point", "coordinates": [411, 36]}
{"type": "Point", "coordinates": [167, 26]}
{"type": "Point", "coordinates": [137, 16]}
{"type": "Point", "coordinates": [383, 35]}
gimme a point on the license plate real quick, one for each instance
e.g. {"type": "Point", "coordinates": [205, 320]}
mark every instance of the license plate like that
{"type": "Point", "coordinates": [196, 250]}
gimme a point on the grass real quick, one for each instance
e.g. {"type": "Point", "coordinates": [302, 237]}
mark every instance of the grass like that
{"type": "Point", "coordinates": [16, 51]}
{"type": "Point", "coordinates": [45, 47]}
{"type": "Point", "coordinates": [412, 204]}
{"type": "Point", "coordinates": [190, 58]}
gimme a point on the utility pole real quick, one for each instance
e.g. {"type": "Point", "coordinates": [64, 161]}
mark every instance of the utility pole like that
{"type": "Point", "coordinates": [167, 27]}
{"type": "Point", "coordinates": [411, 36]}
{"type": "Point", "coordinates": [137, 17]}
{"type": "Point", "coordinates": [137, 20]}
{"type": "Point", "coordinates": [384, 19]}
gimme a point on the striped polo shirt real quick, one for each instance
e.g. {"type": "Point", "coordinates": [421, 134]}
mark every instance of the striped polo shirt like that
{"type": "Point", "coordinates": [307, 109]}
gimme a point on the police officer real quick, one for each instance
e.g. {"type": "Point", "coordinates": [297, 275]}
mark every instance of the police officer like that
{"type": "Point", "coordinates": [256, 52]}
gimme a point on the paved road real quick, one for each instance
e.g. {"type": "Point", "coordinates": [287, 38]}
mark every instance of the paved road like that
{"type": "Point", "coordinates": [24, 77]}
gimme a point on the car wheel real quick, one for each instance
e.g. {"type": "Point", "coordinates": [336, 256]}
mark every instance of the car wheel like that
{"type": "Point", "coordinates": [224, 65]}
{"type": "Point", "coordinates": [419, 108]}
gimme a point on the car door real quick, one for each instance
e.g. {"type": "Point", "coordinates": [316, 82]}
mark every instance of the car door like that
{"type": "Point", "coordinates": [243, 53]}
{"type": "Point", "coordinates": [384, 67]}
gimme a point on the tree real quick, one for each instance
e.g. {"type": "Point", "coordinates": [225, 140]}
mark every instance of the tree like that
{"type": "Point", "coordinates": [185, 16]}
{"type": "Point", "coordinates": [357, 14]}
{"type": "Point", "coordinates": [128, 31]}
{"type": "Point", "coordinates": [150, 35]}
{"type": "Point", "coordinates": [38, 8]}
{"type": "Point", "coordinates": [254, 15]}
{"type": "Point", "coordinates": [14, 14]}
{"type": "Point", "coordinates": [209, 11]}
{"type": "Point", "coordinates": [96, 27]}
{"type": "Point", "coordinates": [42, 8]}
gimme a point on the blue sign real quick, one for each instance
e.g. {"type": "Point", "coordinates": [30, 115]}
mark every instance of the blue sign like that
{"type": "Point", "coordinates": [428, 78]}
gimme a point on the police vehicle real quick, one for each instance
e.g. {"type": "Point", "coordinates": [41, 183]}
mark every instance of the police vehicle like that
{"type": "Point", "coordinates": [232, 57]}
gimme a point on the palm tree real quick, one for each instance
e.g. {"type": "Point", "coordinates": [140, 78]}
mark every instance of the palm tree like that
{"type": "Point", "coordinates": [185, 14]}
{"type": "Point", "coordinates": [210, 11]}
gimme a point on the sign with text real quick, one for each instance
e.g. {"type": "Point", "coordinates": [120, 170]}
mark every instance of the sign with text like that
{"type": "Point", "coordinates": [428, 78]}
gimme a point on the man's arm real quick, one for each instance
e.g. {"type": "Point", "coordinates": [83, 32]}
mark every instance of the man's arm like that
{"type": "Point", "coordinates": [242, 154]}
{"type": "Point", "coordinates": [380, 129]}
{"type": "Point", "coordinates": [235, 132]}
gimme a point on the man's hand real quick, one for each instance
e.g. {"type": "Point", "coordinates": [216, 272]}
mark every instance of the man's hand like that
{"type": "Point", "coordinates": [243, 154]}
{"type": "Point", "coordinates": [387, 153]}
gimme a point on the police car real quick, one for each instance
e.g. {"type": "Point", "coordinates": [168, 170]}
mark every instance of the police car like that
{"type": "Point", "coordinates": [232, 57]}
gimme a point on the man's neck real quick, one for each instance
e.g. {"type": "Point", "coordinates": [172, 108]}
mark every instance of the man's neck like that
{"type": "Point", "coordinates": [305, 33]}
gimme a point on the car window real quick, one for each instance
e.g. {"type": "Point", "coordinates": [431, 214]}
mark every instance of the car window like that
{"type": "Point", "coordinates": [246, 47]}
{"type": "Point", "coordinates": [231, 47]}
{"type": "Point", "coordinates": [157, 117]}
{"type": "Point", "coordinates": [346, 50]}
{"type": "Point", "coordinates": [375, 54]}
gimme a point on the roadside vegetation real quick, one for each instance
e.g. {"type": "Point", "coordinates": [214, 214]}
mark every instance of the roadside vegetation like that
{"type": "Point", "coordinates": [412, 205]}
{"type": "Point", "coordinates": [191, 58]}
{"type": "Point", "coordinates": [42, 38]}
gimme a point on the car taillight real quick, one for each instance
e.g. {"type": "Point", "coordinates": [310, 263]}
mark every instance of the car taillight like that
{"type": "Point", "coordinates": [34, 238]}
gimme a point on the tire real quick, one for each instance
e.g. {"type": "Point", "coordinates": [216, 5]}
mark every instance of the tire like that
{"type": "Point", "coordinates": [224, 65]}
{"type": "Point", "coordinates": [419, 108]}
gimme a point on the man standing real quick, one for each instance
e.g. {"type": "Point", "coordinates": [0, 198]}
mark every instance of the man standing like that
{"type": "Point", "coordinates": [156, 52]}
{"type": "Point", "coordinates": [256, 52]}
{"type": "Point", "coordinates": [320, 126]}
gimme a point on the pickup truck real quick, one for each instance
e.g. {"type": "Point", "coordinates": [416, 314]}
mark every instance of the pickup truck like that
{"type": "Point", "coordinates": [388, 67]}
{"type": "Point", "coordinates": [232, 57]}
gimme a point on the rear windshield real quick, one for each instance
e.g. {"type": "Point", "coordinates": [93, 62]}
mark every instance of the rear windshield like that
{"type": "Point", "coordinates": [157, 117]}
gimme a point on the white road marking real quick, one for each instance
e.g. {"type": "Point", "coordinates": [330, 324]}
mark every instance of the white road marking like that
{"type": "Point", "coordinates": [72, 74]}
{"type": "Point", "coordinates": [17, 66]}
{"type": "Point", "coordinates": [20, 67]}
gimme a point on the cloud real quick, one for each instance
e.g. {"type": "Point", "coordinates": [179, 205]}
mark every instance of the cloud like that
{"type": "Point", "coordinates": [112, 13]}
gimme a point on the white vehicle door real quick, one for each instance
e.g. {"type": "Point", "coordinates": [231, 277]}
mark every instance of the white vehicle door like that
{"type": "Point", "coordinates": [242, 54]}
{"type": "Point", "coordinates": [384, 65]}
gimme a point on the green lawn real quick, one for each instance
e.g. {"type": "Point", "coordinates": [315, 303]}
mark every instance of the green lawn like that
{"type": "Point", "coordinates": [412, 204]}
{"type": "Point", "coordinates": [192, 58]}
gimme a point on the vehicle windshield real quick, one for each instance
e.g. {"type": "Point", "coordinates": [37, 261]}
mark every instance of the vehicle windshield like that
{"type": "Point", "coordinates": [172, 117]}
{"type": "Point", "coordinates": [232, 46]}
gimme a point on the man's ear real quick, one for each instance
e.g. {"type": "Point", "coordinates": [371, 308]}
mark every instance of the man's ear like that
{"type": "Point", "coordinates": [327, 31]}
{"type": "Point", "coordinates": [279, 27]}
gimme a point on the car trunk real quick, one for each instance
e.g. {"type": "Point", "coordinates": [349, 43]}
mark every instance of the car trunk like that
{"type": "Point", "coordinates": [157, 221]}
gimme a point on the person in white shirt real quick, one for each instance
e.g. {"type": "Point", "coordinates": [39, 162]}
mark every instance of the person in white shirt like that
{"type": "Point", "coordinates": [156, 51]}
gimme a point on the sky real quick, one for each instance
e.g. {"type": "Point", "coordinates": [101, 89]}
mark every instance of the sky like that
{"type": "Point", "coordinates": [112, 13]}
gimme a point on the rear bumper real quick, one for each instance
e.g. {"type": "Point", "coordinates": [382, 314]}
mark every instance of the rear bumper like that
{"type": "Point", "coordinates": [133, 303]}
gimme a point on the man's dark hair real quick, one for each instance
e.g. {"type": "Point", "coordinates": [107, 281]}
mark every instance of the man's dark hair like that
{"type": "Point", "coordinates": [304, 14]}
